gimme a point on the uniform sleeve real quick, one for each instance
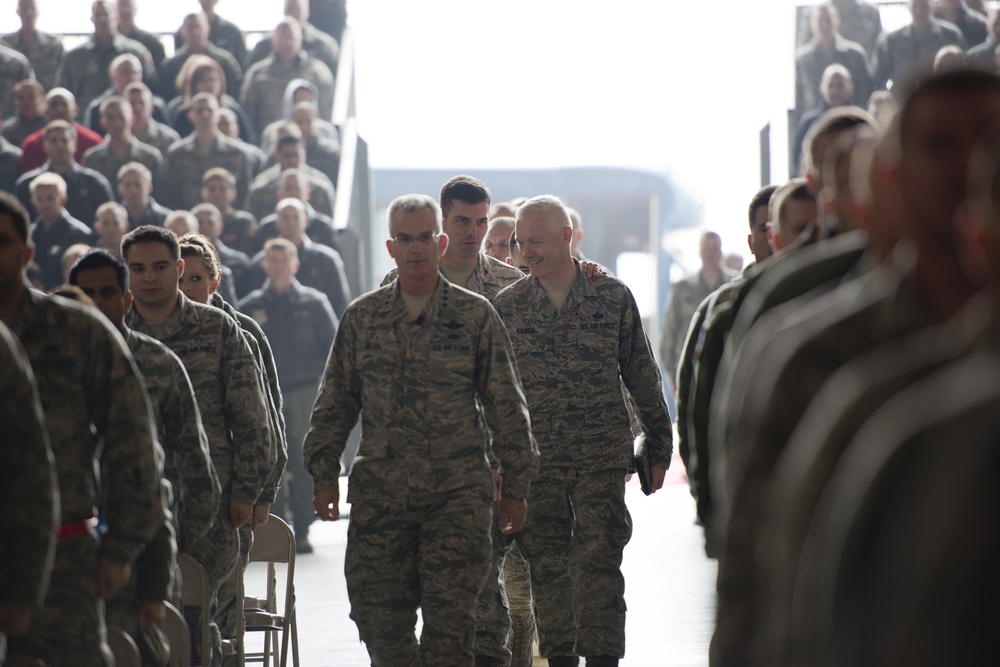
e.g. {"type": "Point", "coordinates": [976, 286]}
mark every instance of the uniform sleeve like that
{"type": "Point", "coordinates": [28, 489]}
{"type": "Point", "coordinates": [642, 379]}
{"type": "Point", "coordinates": [248, 98]}
{"type": "Point", "coordinates": [199, 489]}
{"type": "Point", "coordinates": [155, 566]}
{"type": "Point", "coordinates": [120, 410]}
{"type": "Point", "coordinates": [269, 378]}
{"type": "Point", "coordinates": [505, 407]}
{"type": "Point", "coordinates": [338, 290]}
{"type": "Point", "coordinates": [337, 407]}
{"type": "Point", "coordinates": [246, 413]}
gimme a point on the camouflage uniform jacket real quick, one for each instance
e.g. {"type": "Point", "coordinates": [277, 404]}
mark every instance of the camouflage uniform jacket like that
{"type": "Point", "coordinates": [159, 136]}
{"type": "Point", "coordinates": [264, 357]}
{"type": "Point", "coordinates": [188, 465]}
{"type": "Point", "coordinates": [263, 94]}
{"type": "Point", "coordinates": [228, 391]}
{"type": "Point", "coordinates": [103, 161]}
{"type": "Point", "coordinates": [860, 22]}
{"type": "Point", "coordinates": [264, 191]}
{"type": "Point", "coordinates": [14, 67]}
{"type": "Point", "coordinates": [179, 180]}
{"type": "Point", "coordinates": [415, 384]}
{"type": "Point", "coordinates": [45, 55]}
{"type": "Point", "coordinates": [27, 482]}
{"type": "Point", "coordinates": [315, 42]}
{"type": "Point", "coordinates": [488, 277]}
{"type": "Point", "coordinates": [685, 295]}
{"type": "Point", "coordinates": [573, 363]}
{"type": "Point", "coordinates": [85, 68]}
{"type": "Point", "coordinates": [94, 400]}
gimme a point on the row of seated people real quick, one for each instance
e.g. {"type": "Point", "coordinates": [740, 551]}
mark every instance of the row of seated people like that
{"type": "Point", "coordinates": [60, 238]}
{"type": "Point", "coordinates": [837, 401]}
{"type": "Point", "coordinates": [293, 50]}
{"type": "Point", "coordinates": [849, 33]}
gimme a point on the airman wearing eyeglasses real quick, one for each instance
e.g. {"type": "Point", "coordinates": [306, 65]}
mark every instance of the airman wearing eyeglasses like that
{"type": "Point", "coordinates": [424, 363]}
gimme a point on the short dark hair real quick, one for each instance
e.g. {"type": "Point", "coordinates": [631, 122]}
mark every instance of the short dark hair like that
{"type": "Point", "coordinates": [288, 140]}
{"type": "Point", "coordinates": [463, 188]}
{"type": "Point", "coordinates": [832, 121]}
{"type": "Point", "coordinates": [10, 206]}
{"type": "Point", "coordinates": [99, 258]}
{"type": "Point", "coordinates": [954, 82]}
{"type": "Point", "coordinates": [152, 234]}
{"type": "Point", "coordinates": [760, 200]}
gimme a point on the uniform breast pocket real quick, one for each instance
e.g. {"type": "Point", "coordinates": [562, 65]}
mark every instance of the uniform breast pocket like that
{"type": "Point", "coordinates": [596, 355]}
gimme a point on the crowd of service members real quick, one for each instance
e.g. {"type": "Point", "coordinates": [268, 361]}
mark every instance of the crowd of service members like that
{"type": "Point", "coordinates": [837, 401]}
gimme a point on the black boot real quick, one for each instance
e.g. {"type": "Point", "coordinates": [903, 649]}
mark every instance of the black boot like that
{"type": "Point", "coordinates": [602, 661]}
{"type": "Point", "coordinates": [488, 661]}
{"type": "Point", "coordinates": [564, 661]}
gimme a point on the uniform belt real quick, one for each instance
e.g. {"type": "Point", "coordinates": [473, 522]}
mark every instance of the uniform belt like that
{"type": "Point", "coordinates": [68, 531]}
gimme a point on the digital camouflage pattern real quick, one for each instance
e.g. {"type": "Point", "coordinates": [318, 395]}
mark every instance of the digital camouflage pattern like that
{"type": "Point", "coordinates": [93, 398]}
{"type": "Point", "coordinates": [103, 161]}
{"type": "Point", "coordinates": [577, 523]}
{"type": "Point", "coordinates": [264, 191]}
{"type": "Point", "coordinates": [188, 463]}
{"type": "Point", "coordinates": [178, 185]}
{"type": "Point", "coordinates": [423, 441]}
{"type": "Point", "coordinates": [263, 92]}
{"type": "Point", "coordinates": [28, 488]}
{"type": "Point", "coordinates": [685, 295]}
{"type": "Point", "coordinates": [235, 418]}
{"type": "Point", "coordinates": [14, 67]}
{"type": "Point", "coordinates": [85, 68]}
{"type": "Point", "coordinates": [45, 55]}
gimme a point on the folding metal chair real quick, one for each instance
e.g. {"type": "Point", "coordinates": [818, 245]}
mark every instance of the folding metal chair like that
{"type": "Point", "coordinates": [195, 592]}
{"type": "Point", "coordinates": [177, 632]}
{"type": "Point", "coordinates": [123, 648]}
{"type": "Point", "coordinates": [274, 544]}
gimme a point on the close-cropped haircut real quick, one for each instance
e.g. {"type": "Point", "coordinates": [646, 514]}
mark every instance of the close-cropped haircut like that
{"type": "Point", "coordinates": [99, 258]}
{"type": "Point", "coordinates": [135, 168]}
{"type": "Point", "coordinates": [833, 121]}
{"type": "Point", "coordinates": [115, 208]}
{"type": "Point", "coordinates": [30, 84]}
{"type": "Point", "coordinates": [48, 179]}
{"type": "Point", "coordinates": [124, 58]}
{"type": "Point", "coordinates": [13, 209]}
{"type": "Point", "coordinates": [282, 244]}
{"type": "Point", "coordinates": [797, 189]}
{"type": "Point", "coordinates": [412, 204]}
{"type": "Point", "coordinates": [151, 234]}
{"type": "Point", "coordinates": [463, 188]}
{"type": "Point", "coordinates": [761, 199]}
{"type": "Point", "coordinates": [221, 173]}
{"type": "Point", "coordinates": [288, 139]}
{"type": "Point", "coordinates": [544, 204]}
{"type": "Point", "coordinates": [115, 101]}
{"type": "Point", "coordinates": [502, 221]}
{"type": "Point", "coordinates": [948, 83]}
{"type": "Point", "coordinates": [198, 245]}
{"type": "Point", "coordinates": [211, 209]}
{"type": "Point", "coordinates": [54, 125]}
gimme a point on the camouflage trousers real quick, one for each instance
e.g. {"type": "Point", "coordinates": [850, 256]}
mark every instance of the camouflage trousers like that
{"type": "Point", "coordinates": [431, 555]}
{"type": "Point", "coordinates": [69, 631]}
{"type": "Point", "coordinates": [573, 540]}
{"type": "Point", "coordinates": [229, 606]}
{"type": "Point", "coordinates": [505, 622]}
{"type": "Point", "coordinates": [295, 495]}
{"type": "Point", "coordinates": [217, 552]}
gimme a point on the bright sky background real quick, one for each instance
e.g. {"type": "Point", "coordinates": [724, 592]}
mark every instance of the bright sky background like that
{"type": "Point", "coordinates": [672, 85]}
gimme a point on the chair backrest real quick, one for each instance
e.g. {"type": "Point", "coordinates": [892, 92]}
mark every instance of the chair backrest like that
{"type": "Point", "coordinates": [177, 632]}
{"type": "Point", "coordinates": [195, 592]}
{"type": "Point", "coordinates": [123, 648]}
{"type": "Point", "coordinates": [273, 542]}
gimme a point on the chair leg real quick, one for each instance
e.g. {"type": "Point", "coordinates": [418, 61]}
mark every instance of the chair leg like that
{"type": "Point", "coordinates": [295, 640]}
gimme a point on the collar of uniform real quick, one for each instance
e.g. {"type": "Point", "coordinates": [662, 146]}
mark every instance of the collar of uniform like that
{"type": "Point", "coordinates": [184, 315]}
{"type": "Point", "coordinates": [70, 175]}
{"type": "Point", "coordinates": [392, 302]}
{"type": "Point", "coordinates": [581, 289]}
{"type": "Point", "coordinates": [297, 61]}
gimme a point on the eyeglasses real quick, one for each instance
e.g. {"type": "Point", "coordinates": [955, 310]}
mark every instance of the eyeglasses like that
{"type": "Point", "coordinates": [424, 239]}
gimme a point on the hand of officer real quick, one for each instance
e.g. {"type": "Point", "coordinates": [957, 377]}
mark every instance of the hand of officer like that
{"type": "Point", "coordinates": [260, 515]}
{"type": "Point", "coordinates": [239, 513]}
{"type": "Point", "coordinates": [111, 576]}
{"type": "Point", "coordinates": [656, 475]}
{"type": "Point", "coordinates": [592, 270]}
{"type": "Point", "coordinates": [151, 611]}
{"type": "Point", "coordinates": [327, 503]}
{"type": "Point", "coordinates": [512, 514]}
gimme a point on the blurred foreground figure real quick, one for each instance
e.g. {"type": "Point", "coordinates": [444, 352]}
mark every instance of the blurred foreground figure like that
{"type": "Point", "coordinates": [425, 364]}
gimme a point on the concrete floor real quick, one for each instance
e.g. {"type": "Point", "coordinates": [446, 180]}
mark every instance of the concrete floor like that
{"type": "Point", "coordinates": [669, 587]}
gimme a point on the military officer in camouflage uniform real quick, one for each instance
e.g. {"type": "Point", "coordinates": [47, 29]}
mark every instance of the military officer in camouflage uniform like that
{"type": "Point", "coordinates": [14, 67]}
{"type": "Point", "coordinates": [44, 51]}
{"type": "Point", "coordinates": [120, 146]}
{"type": "Point", "coordinates": [227, 387]}
{"type": "Point", "coordinates": [180, 179]}
{"type": "Point", "coordinates": [85, 68]}
{"type": "Point", "coordinates": [28, 490]}
{"type": "Point", "coordinates": [685, 295]}
{"type": "Point", "coordinates": [425, 363]}
{"type": "Point", "coordinates": [94, 401]}
{"type": "Point", "coordinates": [577, 341]}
